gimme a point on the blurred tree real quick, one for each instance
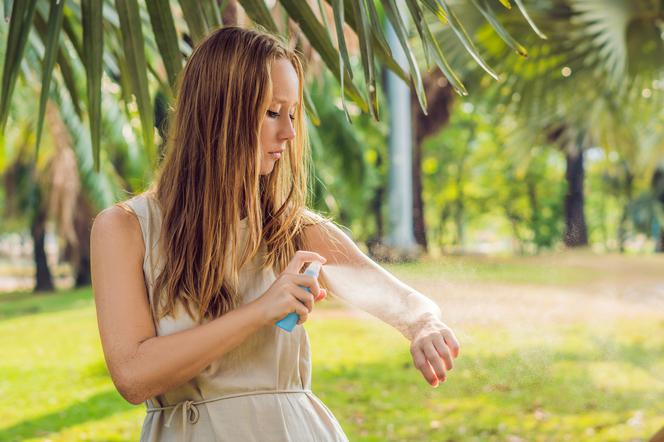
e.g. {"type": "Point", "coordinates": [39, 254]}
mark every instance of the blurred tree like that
{"type": "Point", "coordinates": [599, 56]}
{"type": "Point", "coordinates": [474, 176]}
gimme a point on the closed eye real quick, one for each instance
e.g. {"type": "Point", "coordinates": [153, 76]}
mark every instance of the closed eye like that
{"type": "Point", "coordinates": [273, 114]}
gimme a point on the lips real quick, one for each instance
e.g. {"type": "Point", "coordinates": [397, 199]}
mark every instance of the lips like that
{"type": "Point", "coordinates": [276, 154]}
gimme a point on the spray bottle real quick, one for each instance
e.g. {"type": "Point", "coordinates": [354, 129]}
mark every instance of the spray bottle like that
{"type": "Point", "coordinates": [289, 321]}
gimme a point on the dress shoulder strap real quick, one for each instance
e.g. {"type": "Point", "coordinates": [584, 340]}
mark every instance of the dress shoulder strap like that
{"type": "Point", "coordinates": [148, 213]}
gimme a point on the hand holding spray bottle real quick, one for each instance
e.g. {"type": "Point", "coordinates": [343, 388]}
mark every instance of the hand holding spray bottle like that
{"type": "Point", "coordinates": [289, 321]}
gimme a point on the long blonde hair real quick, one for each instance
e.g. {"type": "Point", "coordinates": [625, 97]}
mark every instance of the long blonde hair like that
{"type": "Point", "coordinates": [210, 175]}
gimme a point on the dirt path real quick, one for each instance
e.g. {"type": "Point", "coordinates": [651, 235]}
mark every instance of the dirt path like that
{"type": "Point", "coordinates": [613, 287]}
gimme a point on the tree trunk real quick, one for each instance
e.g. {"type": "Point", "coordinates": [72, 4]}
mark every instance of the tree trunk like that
{"type": "Point", "coordinates": [43, 278]}
{"type": "Point", "coordinates": [83, 224]}
{"type": "Point", "coordinates": [576, 233]}
{"type": "Point", "coordinates": [535, 220]}
{"type": "Point", "coordinates": [440, 99]}
{"type": "Point", "coordinates": [419, 225]}
{"type": "Point", "coordinates": [400, 182]}
{"type": "Point", "coordinates": [657, 187]}
{"type": "Point", "coordinates": [374, 243]}
{"type": "Point", "coordinates": [622, 226]}
{"type": "Point", "coordinates": [229, 16]}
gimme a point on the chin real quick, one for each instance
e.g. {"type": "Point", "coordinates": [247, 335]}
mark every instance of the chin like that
{"type": "Point", "coordinates": [267, 171]}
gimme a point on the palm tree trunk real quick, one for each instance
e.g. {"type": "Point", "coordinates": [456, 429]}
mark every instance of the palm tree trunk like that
{"type": "Point", "coordinates": [229, 16]}
{"type": "Point", "coordinates": [419, 225]}
{"type": "Point", "coordinates": [440, 99]}
{"type": "Point", "coordinates": [576, 232]}
{"type": "Point", "coordinates": [377, 204]}
{"type": "Point", "coordinates": [400, 183]}
{"type": "Point", "coordinates": [82, 226]}
{"type": "Point", "coordinates": [43, 278]}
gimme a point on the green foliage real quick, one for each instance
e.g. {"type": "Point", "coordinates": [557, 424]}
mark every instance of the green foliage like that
{"type": "Point", "coordinates": [473, 178]}
{"type": "Point", "coordinates": [114, 38]}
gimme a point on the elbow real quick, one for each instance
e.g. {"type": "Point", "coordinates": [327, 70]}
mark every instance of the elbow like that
{"type": "Point", "coordinates": [129, 388]}
{"type": "Point", "coordinates": [132, 398]}
{"type": "Point", "coordinates": [130, 394]}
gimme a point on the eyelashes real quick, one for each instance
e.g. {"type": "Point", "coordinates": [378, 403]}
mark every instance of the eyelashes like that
{"type": "Point", "coordinates": [273, 114]}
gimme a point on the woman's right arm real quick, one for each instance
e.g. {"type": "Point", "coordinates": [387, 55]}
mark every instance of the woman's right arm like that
{"type": "Point", "coordinates": [142, 364]}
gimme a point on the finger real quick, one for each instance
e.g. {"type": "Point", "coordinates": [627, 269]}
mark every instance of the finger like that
{"type": "Point", "coordinates": [443, 350]}
{"type": "Point", "coordinates": [303, 296]}
{"type": "Point", "coordinates": [435, 361]}
{"type": "Point", "coordinates": [300, 258]}
{"type": "Point", "coordinates": [452, 342]}
{"type": "Point", "coordinates": [423, 366]}
{"type": "Point", "coordinates": [307, 281]}
{"type": "Point", "coordinates": [321, 295]}
{"type": "Point", "coordinates": [302, 312]}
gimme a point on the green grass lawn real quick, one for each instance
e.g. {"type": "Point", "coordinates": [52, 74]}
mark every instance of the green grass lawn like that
{"type": "Point", "coordinates": [577, 382]}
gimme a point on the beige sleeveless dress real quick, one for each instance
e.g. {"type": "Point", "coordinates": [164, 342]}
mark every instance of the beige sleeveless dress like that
{"type": "Point", "coordinates": [260, 391]}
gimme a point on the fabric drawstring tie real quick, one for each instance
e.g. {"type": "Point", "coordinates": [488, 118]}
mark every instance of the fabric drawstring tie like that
{"type": "Point", "coordinates": [190, 413]}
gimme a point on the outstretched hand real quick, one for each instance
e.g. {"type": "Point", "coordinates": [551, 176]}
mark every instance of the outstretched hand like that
{"type": "Point", "coordinates": [433, 347]}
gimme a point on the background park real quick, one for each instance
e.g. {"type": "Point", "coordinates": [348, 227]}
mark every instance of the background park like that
{"type": "Point", "coordinates": [503, 157]}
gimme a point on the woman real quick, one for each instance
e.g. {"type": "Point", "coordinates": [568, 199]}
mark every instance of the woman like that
{"type": "Point", "coordinates": [190, 277]}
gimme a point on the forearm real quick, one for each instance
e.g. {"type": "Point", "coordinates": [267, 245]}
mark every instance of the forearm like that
{"type": "Point", "coordinates": [353, 277]}
{"type": "Point", "coordinates": [369, 287]}
{"type": "Point", "coordinates": [164, 362]}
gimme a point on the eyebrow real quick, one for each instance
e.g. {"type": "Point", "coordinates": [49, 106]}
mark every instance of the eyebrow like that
{"type": "Point", "coordinates": [283, 100]}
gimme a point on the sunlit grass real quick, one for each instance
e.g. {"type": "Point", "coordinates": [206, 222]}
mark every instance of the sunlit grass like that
{"type": "Point", "coordinates": [590, 382]}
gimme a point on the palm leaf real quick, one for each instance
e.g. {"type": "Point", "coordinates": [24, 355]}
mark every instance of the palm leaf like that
{"type": "Point", "coordinates": [212, 13]}
{"type": "Point", "coordinates": [310, 107]}
{"type": "Point", "coordinates": [101, 186]}
{"type": "Point", "coordinates": [166, 37]}
{"type": "Point", "coordinates": [19, 28]}
{"type": "Point", "coordinates": [68, 23]}
{"type": "Point", "coordinates": [484, 8]}
{"type": "Point", "coordinates": [52, 45]}
{"type": "Point", "coordinates": [195, 18]}
{"type": "Point", "coordinates": [381, 48]}
{"type": "Point", "coordinates": [465, 39]}
{"type": "Point", "coordinates": [344, 59]}
{"type": "Point", "coordinates": [393, 15]}
{"type": "Point", "coordinates": [93, 50]}
{"type": "Point", "coordinates": [63, 61]}
{"type": "Point", "coordinates": [132, 39]}
{"type": "Point", "coordinates": [258, 12]}
{"type": "Point", "coordinates": [442, 62]}
{"type": "Point", "coordinates": [302, 14]}
{"type": "Point", "coordinates": [532, 24]}
{"type": "Point", "coordinates": [366, 52]}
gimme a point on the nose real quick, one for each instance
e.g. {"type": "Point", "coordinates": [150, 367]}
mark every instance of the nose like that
{"type": "Point", "coordinates": [287, 131]}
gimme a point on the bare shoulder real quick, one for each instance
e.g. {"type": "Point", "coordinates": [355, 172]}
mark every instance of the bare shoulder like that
{"type": "Point", "coordinates": [118, 226]}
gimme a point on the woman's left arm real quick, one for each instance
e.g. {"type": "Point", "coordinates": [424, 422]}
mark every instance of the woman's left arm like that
{"type": "Point", "coordinates": [353, 277]}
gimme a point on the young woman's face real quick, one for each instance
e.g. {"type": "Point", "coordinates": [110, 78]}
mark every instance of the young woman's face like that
{"type": "Point", "coordinates": [277, 127]}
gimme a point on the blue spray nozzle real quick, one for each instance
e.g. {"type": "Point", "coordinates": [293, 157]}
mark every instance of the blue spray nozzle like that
{"type": "Point", "coordinates": [290, 320]}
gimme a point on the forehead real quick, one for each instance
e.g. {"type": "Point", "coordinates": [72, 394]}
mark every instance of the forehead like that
{"type": "Point", "coordinates": [285, 84]}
